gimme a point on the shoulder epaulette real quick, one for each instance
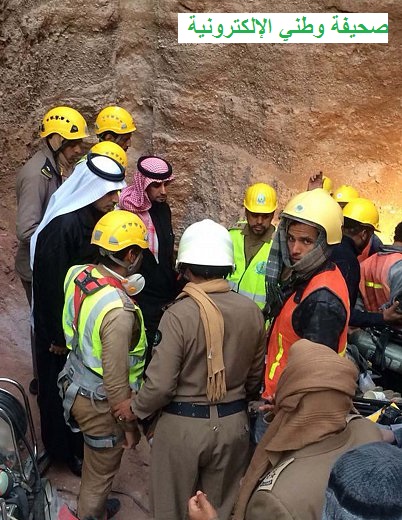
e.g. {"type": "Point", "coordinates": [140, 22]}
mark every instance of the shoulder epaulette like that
{"type": "Point", "coordinates": [240, 224]}
{"type": "Point", "coordinates": [270, 478]}
{"type": "Point", "coordinates": [48, 170]}
{"type": "Point", "coordinates": [168, 305]}
{"type": "Point", "coordinates": [128, 303]}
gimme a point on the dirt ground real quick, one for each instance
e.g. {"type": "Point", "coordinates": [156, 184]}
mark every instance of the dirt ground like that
{"type": "Point", "coordinates": [131, 484]}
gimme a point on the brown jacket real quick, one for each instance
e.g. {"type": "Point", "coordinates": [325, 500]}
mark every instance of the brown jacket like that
{"type": "Point", "coordinates": [36, 182]}
{"type": "Point", "coordinates": [295, 488]}
{"type": "Point", "coordinates": [178, 370]}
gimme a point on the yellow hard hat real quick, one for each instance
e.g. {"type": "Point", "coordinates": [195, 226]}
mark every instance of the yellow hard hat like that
{"type": "Point", "coordinates": [363, 211]}
{"type": "Point", "coordinates": [345, 193]}
{"type": "Point", "coordinates": [327, 184]}
{"type": "Point", "coordinates": [119, 229]}
{"type": "Point", "coordinates": [110, 149]}
{"type": "Point", "coordinates": [114, 119]}
{"type": "Point", "coordinates": [317, 207]}
{"type": "Point", "coordinates": [260, 198]}
{"type": "Point", "coordinates": [64, 121]}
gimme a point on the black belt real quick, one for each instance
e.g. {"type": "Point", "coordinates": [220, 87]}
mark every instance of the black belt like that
{"type": "Point", "coordinates": [202, 411]}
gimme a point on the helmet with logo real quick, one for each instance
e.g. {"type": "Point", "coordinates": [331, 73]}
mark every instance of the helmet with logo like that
{"type": "Point", "coordinates": [327, 184]}
{"type": "Point", "coordinates": [114, 119]}
{"type": "Point", "coordinates": [206, 243]}
{"type": "Point", "coordinates": [363, 211]}
{"type": "Point", "coordinates": [119, 229]}
{"type": "Point", "coordinates": [345, 193]}
{"type": "Point", "coordinates": [64, 121]}
{"type": "Point", "coordinates": [110, 149]}
{"type": "Point", "coordinates": [260, 198]}
{"type": "Point", "coordinates": [317, 207]}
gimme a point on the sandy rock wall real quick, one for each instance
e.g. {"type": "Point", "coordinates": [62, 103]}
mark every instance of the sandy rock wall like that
{"type": "Point", "coordinates": [224, 115]}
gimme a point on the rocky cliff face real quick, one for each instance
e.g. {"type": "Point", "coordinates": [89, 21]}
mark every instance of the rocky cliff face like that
{"type": "Point", "coordinates": [224, 115]}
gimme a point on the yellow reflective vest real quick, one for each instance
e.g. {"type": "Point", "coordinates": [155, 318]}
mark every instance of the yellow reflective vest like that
{"type": "Point", "coordinates": [85, 338]}
{"type": "Point", "coordinates": [250, 280]}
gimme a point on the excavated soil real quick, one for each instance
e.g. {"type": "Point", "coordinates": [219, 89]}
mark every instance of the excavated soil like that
{"type": "Point", "coordinates": [224, 115]}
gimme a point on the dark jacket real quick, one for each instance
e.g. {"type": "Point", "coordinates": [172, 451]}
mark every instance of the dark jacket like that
{"type": "Point", "coordinates": [64, 242]}
{"type": "Point", "coordinates": [160, 278]}
{"type": "Point", "coordinates": [321, 317]}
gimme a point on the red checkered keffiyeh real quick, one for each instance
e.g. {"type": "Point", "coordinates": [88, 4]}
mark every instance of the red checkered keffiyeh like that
{"type": "Point", "coordinates": [134, 198]}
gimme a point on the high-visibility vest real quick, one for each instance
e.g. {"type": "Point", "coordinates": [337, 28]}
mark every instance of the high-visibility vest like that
{"type": "Point", "coordinates": [250, 280]}
{"type": "Point", "coordinates": [282, 335]}
{"type": "Point", "coordinates": [82, 330]}
{"type": "Point", "coordinates": [374, 283]}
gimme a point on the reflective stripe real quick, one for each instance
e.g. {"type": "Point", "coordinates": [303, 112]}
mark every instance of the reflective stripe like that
{"type": "Point", "coordinates": [278, 358]}
{"type": "Point", "coordinates": [106, 441]}
{"type": "Point", "coordinates": [282, 335]}
{"type": "Point", "coordinates": [373, 285]}
{"type": "Point", "coordinates": [343, 351]}
{"type": "Point", "coordinates": [255, 297]}
{"type": "Point", "coordinates": [374, 281]}
{"type": "Point", "coordinates": [87, 341]}
{"type": "Point", "coordinates": [72, 273]}
{"type": "Point", "coordinates": [249, 280]}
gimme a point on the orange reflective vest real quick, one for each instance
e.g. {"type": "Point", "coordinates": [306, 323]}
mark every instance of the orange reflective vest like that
{"type": "Point", "coordinates": [374, 283]}
{"type": "Point", "coordinates": [282, 336]}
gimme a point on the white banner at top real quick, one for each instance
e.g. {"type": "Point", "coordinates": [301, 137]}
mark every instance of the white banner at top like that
{"type": "Point", "coordinates": [283, 28]}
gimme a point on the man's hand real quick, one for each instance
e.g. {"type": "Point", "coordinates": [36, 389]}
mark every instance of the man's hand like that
{"type": "Point", "coordinates": [122, 412]}
{"type": "Point", "coordinates": [199, 508]}
{"type": "Point", "coordinates": [269, 405]}
{"type": "Point", "coordinates": [315, 181]}
{"type": "Point", "coordinates": [387, 436]}
{"type": "Point", "coordinates": [59, 351]}
{"type": "Point", "coordinates": [391, 315]}
{"type": "Point", "coordinates": [131, 439]}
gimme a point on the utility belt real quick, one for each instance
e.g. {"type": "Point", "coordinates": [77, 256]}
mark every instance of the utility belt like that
{"type": "Point", "coordinates": [203, 411]}
{"type": "Point", "coordinates": [76, 379]}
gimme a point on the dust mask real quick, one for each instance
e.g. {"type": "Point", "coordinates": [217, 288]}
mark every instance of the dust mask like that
{"type": "Point", "coordinates": [132, 284]}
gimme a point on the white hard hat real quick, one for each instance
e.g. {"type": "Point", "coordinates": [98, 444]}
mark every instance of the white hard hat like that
{"type": "Point", "coordinates": [206, 243]}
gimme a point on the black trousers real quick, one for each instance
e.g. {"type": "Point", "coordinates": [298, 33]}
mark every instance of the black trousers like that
{"type": "Point", "coordinates": [60, 442]}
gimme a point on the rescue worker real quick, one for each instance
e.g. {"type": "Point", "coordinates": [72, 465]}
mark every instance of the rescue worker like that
{"type": "Point", "coordinates": [61, 241]}
{"type": "Point", "coordinates": [109, 149]}
{"type": "Point", "coordinates": [381, 275]}
{"type": "Point", "coordinates": [361, 219]}
{"type": "Point", "coordinates": [105, 332]}
{"type": "Point", "coordinates": [306, 293]}
{"type": "Point", "coordinates": [252, 243]}
{"type": "Point", "coordinates": [62, 131]}
{"type": "Point", "coordinates": [147, 198]}
{"type": "Point", "coordinates": [208, 363]}
{"type": "Point", "coordinates": [115, 124]}
{"type": "Point", "coordinates": [343, 195]}
{"type": "Point", "coordinates": [311, 427]}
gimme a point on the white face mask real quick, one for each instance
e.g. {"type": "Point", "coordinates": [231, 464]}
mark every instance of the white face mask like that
{"type": "Point", "coordinates": [132, 284]}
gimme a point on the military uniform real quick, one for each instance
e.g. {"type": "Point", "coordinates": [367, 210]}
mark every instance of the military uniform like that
{"type": "Point", "coordinates": [36, 182]}
{"type": "Point", "coordinates": [207, 445]}
{"type": "Point", "coordinates": [295, 488]}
